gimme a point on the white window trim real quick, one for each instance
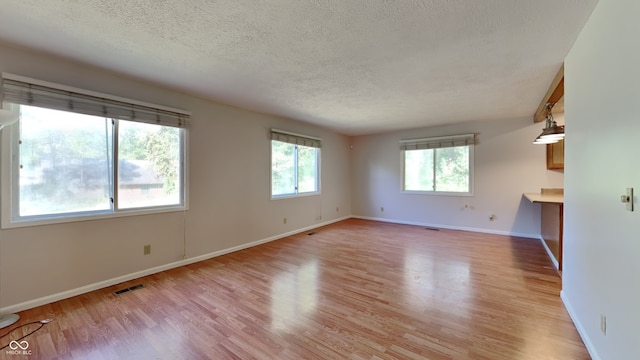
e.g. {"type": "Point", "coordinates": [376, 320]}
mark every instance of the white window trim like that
{"type": "Point", "coordinates": [9, 181]}
{"type": "Point", "coordinates": [318, 169]}
{"type": "Point", "coordinates": [9, 178]}
{"type": "Point", "coordinates": [470, 193]}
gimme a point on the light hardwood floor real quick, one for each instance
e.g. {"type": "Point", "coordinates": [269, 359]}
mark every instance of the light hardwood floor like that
{"type": "Point", "coordinates": [354, 290]}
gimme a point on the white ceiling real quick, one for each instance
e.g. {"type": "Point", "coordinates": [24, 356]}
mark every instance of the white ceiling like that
{"type": "Point", "coordinates": [354, 66]}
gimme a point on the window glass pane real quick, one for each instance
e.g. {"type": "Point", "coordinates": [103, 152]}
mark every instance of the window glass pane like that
{"type": "Point", "coordinates": [452, 169]}
{"type": "Point", "coordinates": [418, 170]}
{"type": "Point", "coordinates": [283, 163]}
{"type": "Point", "coordinates": [149, 171]}
{"type": "Point", "coordinates": [307, 169]}
{"type": "Point", "coordinates": [65, 162]}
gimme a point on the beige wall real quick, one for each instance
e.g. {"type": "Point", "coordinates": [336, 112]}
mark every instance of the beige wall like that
{"type": "Point", "coordinates": [229, 195]}
{"type": "Point", "coordinates": [507, 164]}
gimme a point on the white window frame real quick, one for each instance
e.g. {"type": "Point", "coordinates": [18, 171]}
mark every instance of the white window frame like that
{"type": "Point", "coordinates": [9, 164]}
{"type": "Point", "coordinates": [435, 143]}
{"type": "Point", "coordinates": [296, 139]}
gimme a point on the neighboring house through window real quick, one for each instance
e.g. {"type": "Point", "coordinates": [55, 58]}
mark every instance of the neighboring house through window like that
{"type": "Point", "coordinates": [74, 155]}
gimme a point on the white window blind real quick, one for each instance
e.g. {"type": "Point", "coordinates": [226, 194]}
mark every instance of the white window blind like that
{"type": "Point", "coordinates": [25, 91]}
{"type": "Point", "coordinates": [297, 139]}
{"type": "Point", "coordinates": [438, 142]}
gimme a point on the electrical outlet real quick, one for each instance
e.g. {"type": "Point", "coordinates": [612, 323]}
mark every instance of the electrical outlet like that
{"type": "Point", "coordinates": [603, 324]}
{"type": "Point", "coordinates": [284, 221]}
{"type": "Point", "coordinates": [337, 209]}
{"type": "Point", "coordinates": [381, 209]}
{"type": "Point", "coordinates": [147, 250]}
{"type": "Point", "coordinates": [492, 217]}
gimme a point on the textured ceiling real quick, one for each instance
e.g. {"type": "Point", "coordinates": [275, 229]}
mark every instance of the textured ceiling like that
{"type": "Point", "coordinates": [354, 66]}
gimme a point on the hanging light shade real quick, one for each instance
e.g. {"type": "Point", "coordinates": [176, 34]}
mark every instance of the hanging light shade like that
{"type": "Point", "coordinates": [539, 141]}
{"type": "Point", "coordinates": [552, 132]}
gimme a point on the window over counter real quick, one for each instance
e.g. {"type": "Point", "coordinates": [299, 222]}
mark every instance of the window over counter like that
{"type": "Point", "coordinates": [438, 165]}
{"type": "Point", "coordinates": [295, 164]}
{"type": "Point", "coordinates": [75, 154]}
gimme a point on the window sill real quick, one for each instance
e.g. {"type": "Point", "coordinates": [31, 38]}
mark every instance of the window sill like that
{"type": "Point", "coordinates": [293, 196]}
{"type": "Point", "coordinates": [50, 220]}
{"type": "Point", "coordinates": [436, 193]}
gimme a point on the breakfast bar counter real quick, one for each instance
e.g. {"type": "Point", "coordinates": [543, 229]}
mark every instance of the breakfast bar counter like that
{"type": "Point", "coordinates": [551, 220]}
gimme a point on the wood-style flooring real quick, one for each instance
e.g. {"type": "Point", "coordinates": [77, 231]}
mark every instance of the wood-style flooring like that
{"type": "Point", "coordinates": [353, 290]}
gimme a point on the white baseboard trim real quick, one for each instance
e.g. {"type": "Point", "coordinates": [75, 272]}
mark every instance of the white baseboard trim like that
{"type": "Point", "coordinates": [462, 228]}
{"type": "Point", "coordinates": [259, 242]}
{"type": "Point", "coordinates": [120, 279]}
{"type": "Point", "coordinates": [553, 258]}
{"type": "Point", "coordinates": [583, 334]}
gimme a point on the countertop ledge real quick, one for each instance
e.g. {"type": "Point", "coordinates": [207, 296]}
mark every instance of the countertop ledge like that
{"type": "Point", "coordinates": [554, 196]}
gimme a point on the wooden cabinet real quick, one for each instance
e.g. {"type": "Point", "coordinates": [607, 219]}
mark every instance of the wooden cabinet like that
{"type": "Point", "coordinates": [551, 229]}
{"type": "Point", "coordinates": [555, 155]}
{"type": "Point", "coordinates": [554, 95]}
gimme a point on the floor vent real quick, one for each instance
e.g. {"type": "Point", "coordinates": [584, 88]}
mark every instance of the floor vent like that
{"type": "Point", "coordinates": [432, 229]}
{"type": "Point", "coordinates": [311, 233]}
{"type": "Point", "coordinates": [131, 288]}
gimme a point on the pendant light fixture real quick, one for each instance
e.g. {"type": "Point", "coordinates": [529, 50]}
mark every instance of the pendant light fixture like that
{"type": "Point", "coordinates": [552, 133]}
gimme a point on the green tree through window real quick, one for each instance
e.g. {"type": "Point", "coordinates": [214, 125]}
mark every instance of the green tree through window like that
{"type": "Point", "coordinates": [445, 169]}
{"type": "Point", "coordinates": [67, 162]}
{"type": "Point", "coordinates": [294, 169]}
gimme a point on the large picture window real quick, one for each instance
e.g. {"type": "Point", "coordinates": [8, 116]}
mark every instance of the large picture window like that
{"type": "Point", "coordinates": [294, 164]}
{"type": "Point", "coordinates": [66, 162]}
{"type": "Point", "coordinates": [438, 165]}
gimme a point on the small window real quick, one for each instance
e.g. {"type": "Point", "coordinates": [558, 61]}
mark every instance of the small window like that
{"type": "Point", "coordinates": [294, 165]}
{"type": "Point", "coordinates": [442, 165]}
{"type": "Point", "coordinates": [65, 161]}
{"type": "Point", "coordinates": [149, 171]}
